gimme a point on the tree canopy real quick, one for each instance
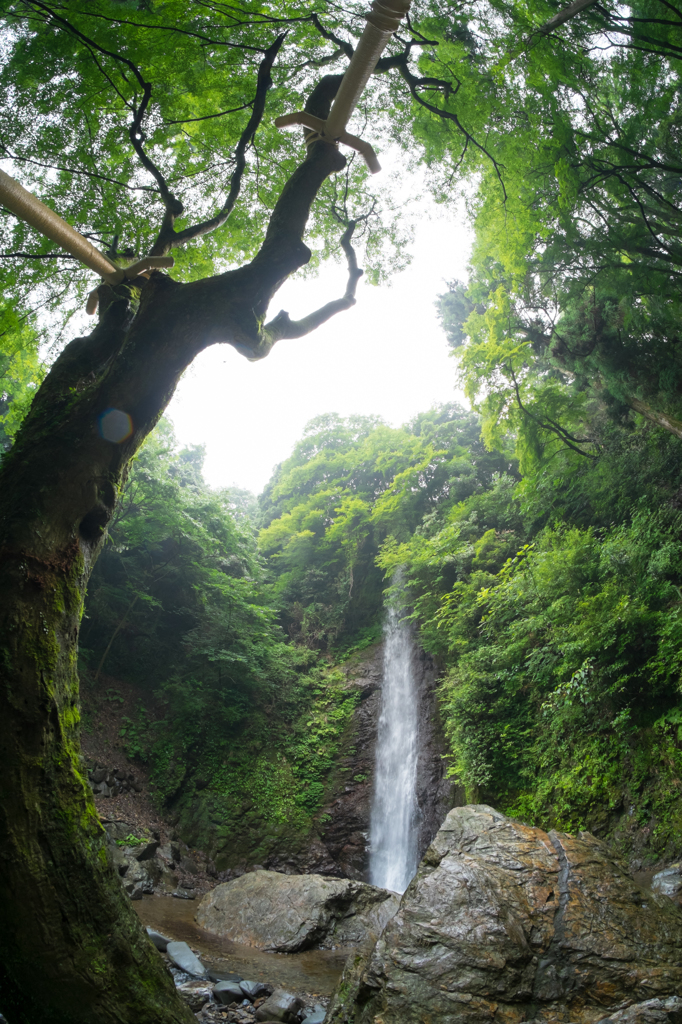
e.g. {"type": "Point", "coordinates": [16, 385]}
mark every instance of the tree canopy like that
{"type": "Point", "coordinates": [542, 564]}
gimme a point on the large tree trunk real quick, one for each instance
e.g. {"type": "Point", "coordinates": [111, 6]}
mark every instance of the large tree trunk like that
{"type": "Point", "coordinates": [71, 946]}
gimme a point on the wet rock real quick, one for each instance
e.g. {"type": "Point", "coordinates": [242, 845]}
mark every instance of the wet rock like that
{"type": "Point", "coordinates": [346, 835]}
{"type": "Point", "coordinates": [507, 922]}
{"type": "Point", "coordinates": [286, 913]}
{"type": "Point", "coordinates": [165, 855]}
{"type": "Point", "coordinates": [183, 894]}
{"type": "Point", "coordinates": [217, 976]}
{"type": "Point", "coordinates": [138, 878]}
{"type": "Point", "coordinates": [281, 1005]}
{"type": "Point", "coordinates": [188, 866]}
{"type": "Point", "coordinates": [183, 957]}
{"type": "Point", "coordinates": [159, 940]}
{"type": "Point", "coordinates": [195, 993]}
{"type": "Point", "coordinates": [117, 858]}
{"type": "Point", "coordinates": [227, 992]}
{"type": "Point", "coordinates": [253, 989]}
{"type": "Point", "coordinates": [669, 882]}
{"type": "Point", "coordinates": [147, 851]}
{"type": "Point", "coordinates": [137, 881]}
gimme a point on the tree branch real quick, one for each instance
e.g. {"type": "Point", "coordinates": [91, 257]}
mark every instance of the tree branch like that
{"type": "Point", "coordinates": [551, 426]}
{"type": "Point", "coordinates": [37, 256]}
{"type": "Point", "coordinates": [414, 83]}
{"type": "Point", "coordinates": [282, 327]}
{"type": "Point", "coordinates": [328, 34]}
{"type": "Point", "coordinates": [563, 16]}
{"type": "Point", "coordinates": [169, 238]}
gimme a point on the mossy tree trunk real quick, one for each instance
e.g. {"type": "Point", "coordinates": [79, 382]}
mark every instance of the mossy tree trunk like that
{"type": "Point", "coordinates": [71, 946]}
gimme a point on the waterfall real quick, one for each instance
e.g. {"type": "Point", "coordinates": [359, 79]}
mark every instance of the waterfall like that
{"type": "Point", "coordinates": [394, 818]}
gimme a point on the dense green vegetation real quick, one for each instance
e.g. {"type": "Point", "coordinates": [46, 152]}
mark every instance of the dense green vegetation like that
{"type": "Point", "coordinates": [551, 601]}
{"type": "Point", "coordinates": [239, 727]}
{"type": "Point", "coordinates": [541, 559]}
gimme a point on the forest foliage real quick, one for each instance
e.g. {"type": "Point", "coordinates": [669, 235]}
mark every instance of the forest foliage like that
{"type": "Point", "coordinates": [537, 538]}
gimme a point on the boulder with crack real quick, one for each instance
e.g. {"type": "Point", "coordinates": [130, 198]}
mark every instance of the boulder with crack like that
{"type": "Point", "coordinates": [506, 923]}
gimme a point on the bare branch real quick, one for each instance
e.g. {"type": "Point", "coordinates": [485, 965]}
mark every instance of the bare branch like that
{"type": "Point", "coordinates": [73, 170]}
{"type": "Point", "coordinates": [209, 117]}
{"type": "Point", "coordinates": [563, 16]}
{"type": "Point", "coordinates": [172, 28]}
{"type": "Point", "coordinates": [283, 327]}
{"type": "Point", "coordinates": [37, 256]}
{"type": "Point", "coordinates": [414, 83]}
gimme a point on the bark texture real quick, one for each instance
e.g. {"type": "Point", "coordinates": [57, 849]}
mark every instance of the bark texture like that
{"type": "Point", "coordinates": [71, 948]}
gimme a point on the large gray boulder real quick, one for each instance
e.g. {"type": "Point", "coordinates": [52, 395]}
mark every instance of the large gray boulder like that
{"type": "Point", "coordinates": [504, 922]}
{"type": "Point", "coordinates": [287, 913]}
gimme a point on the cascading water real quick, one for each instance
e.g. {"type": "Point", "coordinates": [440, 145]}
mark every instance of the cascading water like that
{"type": "Point", "coordinates": [393, 823]}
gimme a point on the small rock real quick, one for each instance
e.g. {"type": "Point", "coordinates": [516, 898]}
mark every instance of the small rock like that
{"type": "Point", "coordinates": [227, 992]}
{"type": "Point", "coordinates": [669, 882]}
{"type": "Point", "coordinates": [159, 940]}
{"type": "Point", "coordinates": [281, 1005]}
{"type": "Point", "coordinates": [253, 989]}
{"type": "Point", "coordinates": [183, 957]}
{"type": "Point", "coordinates": [315, 1018]}
{"type": "Point", "coordinates": [182, 894]}
{"type": "Point", "coordinates": [99, 775]}
{"type": "Point", "coordinates": [195, 993]}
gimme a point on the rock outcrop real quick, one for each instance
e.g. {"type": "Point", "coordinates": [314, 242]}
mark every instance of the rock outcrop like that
{"type": "Point", "coordinates": [339, 845]}
{"type": "Point", "coordinates": [506, 923]}
{"type": "Point", "coordinates": [348, 809]}
{"type": "Point", "coordinates": [288, 913]}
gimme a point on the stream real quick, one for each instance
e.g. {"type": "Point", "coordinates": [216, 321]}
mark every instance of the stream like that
{"type": "Point", "coordinates": [315, 971]}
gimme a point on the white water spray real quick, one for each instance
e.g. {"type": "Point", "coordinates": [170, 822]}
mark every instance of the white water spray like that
{"type": "Point", "coordinates": [393, 823]}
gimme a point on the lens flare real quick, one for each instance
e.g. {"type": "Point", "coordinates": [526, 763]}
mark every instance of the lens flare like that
{"type": "Point", "coordinates": [115, 426]}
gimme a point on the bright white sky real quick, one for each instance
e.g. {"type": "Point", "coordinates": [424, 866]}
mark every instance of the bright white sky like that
{"type": "Point", "coordinates": [386, 356]}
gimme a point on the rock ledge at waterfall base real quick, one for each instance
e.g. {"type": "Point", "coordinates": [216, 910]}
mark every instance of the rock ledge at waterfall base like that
{"type": "Point", "coordinates": [506, 923]}
{"type": "Point", "coordinates": [288, 913]}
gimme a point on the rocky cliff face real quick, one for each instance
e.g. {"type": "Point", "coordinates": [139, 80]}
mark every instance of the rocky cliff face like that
{"type": "Point", "coordinates": [342, 845]}
{"type": "Point", "coordinates": [345, 818]}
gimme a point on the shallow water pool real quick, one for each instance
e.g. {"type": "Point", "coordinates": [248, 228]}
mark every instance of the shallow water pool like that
{"type": "Point", "coordinates": [315, 971]}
